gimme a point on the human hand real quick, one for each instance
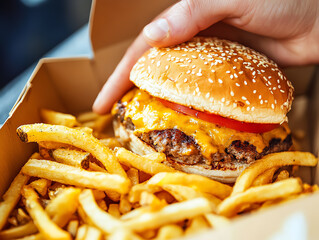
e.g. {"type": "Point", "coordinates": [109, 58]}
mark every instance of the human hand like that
{"type": "Point", "coordinates": [287, 31]}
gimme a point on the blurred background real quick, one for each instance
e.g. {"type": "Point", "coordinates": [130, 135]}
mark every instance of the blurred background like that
{"type": "Point", "coordinates": [31, 28]}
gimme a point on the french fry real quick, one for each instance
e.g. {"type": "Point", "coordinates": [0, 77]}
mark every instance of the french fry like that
{"type": "Point", "coordinates": [96, 215]}
{"type": "Point", "coordinates": [197, 182]}
{"type": "Point", "coordinates": [265, 177]}
{"type": "Point", "coordinates": [79, 139]}
{"type": "Point", "coordinates": [71, 157]}
{"type": "Point", "coordinates": [170, 214]}
{"type": "Point", "coordinates": [284, 174]}
{"type": "Point", "coordinates": [132, 174]}
{"type": "Point", "coordinates": [114, 210]}
{"type": "Point", "coordinates": [183, 193]}
{"type": "Point", "coordinates": [102, 122]}
{"type": "Point", "coordinates": [41, 186]}
{"type": "Point", "coordinates": [156, 157]}
{"type": "Point", "coordinates": [33, 237]}
{"type": "Point", "coordinates": [74, 176]}
{"type": "Point", "coordinates": [149, 199]}
{"type": "Point", "coordinates": [82, 230]}
{"type": "Point", "coordinates": [87, 116]}
{"type": "Point", "coordinates": [61, 208]}
{"type": "Point", "coordinates": [41, 219]}
{"type": "Point", "coordinates": [58, 118]}
{"type": "Point", "coordinates": [245, 180]}
{"type": "Point", "coordinates": [169, 231]}
{"type": "Point", "coordinates": [233, 204]}
{"type": "Point", "coordinates": [197, 224]}
{"type": "Point", "coordinates": [85, 129]}
{"type": "Point", "coordinates": [92, 234]}
{"type": "Point", "coordinates": [124, 206]}
{"type": "Point", "coordinates": [123, 234]}
{"type": "Point", "coordinates": [216, 221]}
{"type": "Point", "coordinates": [98, 195]}
{"type": "Point", "coordinates": [142, 163]}
{"type": "Point", "coordinates": [11, 197]}
{"type": "Point", "coordinates": [72, 227]}
{"type": "Point", "coordinates": [114, 196]}
{"type": "Point", "coordinates": [111, 142]}
{"type": "Point", "coordinates": [135, 213]}
{"type": "Point", "coordinates": [18, 232]}
{"type": "Point", "coordinates": [137, 190]}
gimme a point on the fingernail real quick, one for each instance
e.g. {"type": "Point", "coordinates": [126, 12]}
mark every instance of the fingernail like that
{"type": "Point", "coordinates": [157, 30]}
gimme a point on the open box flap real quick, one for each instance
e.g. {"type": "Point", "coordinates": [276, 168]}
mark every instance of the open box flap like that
{"type": "Point", "coordinates": [111, 25]}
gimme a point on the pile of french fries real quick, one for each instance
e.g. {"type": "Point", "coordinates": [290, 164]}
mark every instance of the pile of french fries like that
{"type": "Point", "coordinates": [84, 184]}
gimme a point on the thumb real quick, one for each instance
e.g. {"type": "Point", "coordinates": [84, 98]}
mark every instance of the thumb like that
{"type": "Point", "coordinates": [186, 18]}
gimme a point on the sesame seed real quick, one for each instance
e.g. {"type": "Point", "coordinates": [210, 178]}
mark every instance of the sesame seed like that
{"type": "Point", "coordinates": [244, 98]}
{"type": "Point", "coordinates": [210, 80]}
{"type": "Point", "coordinates": [227, 71]}
{"type": "Point", "coordinates": [237, 84]}
{"type": "Point", "coordinates": [220, 81]}
{"type": "Point", "coordinates": [232, 93]}
{"type": "Point", "coordinates": [254, 92]}
{"type": "Point", "coordinates": [199, 74]}
{"type": "Point", "coordinates": [223, 99]}
{"type": "Point", "coordinates": [185, 80]}
{"type": "Point", "coordinates": [272, 106]}
{"type": "Point", "coordinates": [261, 101]}
{"type": "Point", "coordinates": [207, 95]}
{"type": "Point", "coordinates": [213, 70]}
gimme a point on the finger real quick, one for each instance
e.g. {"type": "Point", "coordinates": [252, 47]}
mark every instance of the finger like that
{"type": "Point", "coordinates": [188, 17]}
{"type": "Point", "coordinates": [118, 83]}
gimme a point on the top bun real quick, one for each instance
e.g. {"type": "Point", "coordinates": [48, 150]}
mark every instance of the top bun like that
{"type": "Point", "coordinates": [216, 76]}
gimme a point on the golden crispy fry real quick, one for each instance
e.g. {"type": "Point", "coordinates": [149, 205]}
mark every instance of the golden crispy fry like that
{"type": "Point", "coordinates": [96, 168]}
{"type": "Point", "coordinates": [20, 231]}
{"type": "Point", "coordinates": [114, 196]}
{"type": "Point", "coordinates": [85, 129]}
{"type": "Point", "coordinates": [247, 177]}
{"type": "Point", "coordinates": [92, 233]}
{"type": "Point", "coordinates": [137, 190]}
{"type": "Point", "coordinates": [169, 231]}
{"type": "Point", "coordinates": [152, 167]}
{"type": "Point", "coordinates": [265, 177]}
{"type": "Point", "coordinates": [79, 139]}
{"type": "Point", "coordinates": [114, 210]}
{"type": "Point", "coordinates": [71, 157]}
{"type": "Point", "coordinates": [97, 216]}
{"type": "Point", "coordinates": [87, 116]}
{"type": "Point", "coordinates": [156, 157]}
{"type": "Point", "coordinates": [61, 208]}
{"type": "Point", "coordinates": [132, 174]}
{"type": "Point", "coordinates": [124, 206]}
{"type": "Point", "coordinates": [98, 195]}
{"type": "Point", "coordinates": [183, 193]}
{"type": "Point", "coordinates": [41, 186]}
{"type": "Point", "coordinates": [72, 227]}
{"type": "Point", "coordinates": [54, 145]}
{"type": "Point", "coordinates": [102, 204]}
{"type": "Point", "coordinates": [232, 205]}
{"type": "Point", "coordinates": [149, 199]}
{"type": "Point", "coordinates": [197, 182]}
{"type": "Point", "coordinates": [284, 174]}
{"type": "Point", "coordinates": [11, 197]}
{"type": "Point", "coordinates": [216, 221]}
{"type": "Point", "coordinates": [43, 222]}
{"type": "Point", "coordinates": [111, 142]}
{"type": "Point", "coordinates": [80, 235]}
{"type": "Point", "coordinates": [135, 213]}
{"type": "Point", "coordinates": [123, 234]}
{"type": "Point", "coordinates": [52, 117]}
{"type": "Point", "coordinates": [74, 176]}
{"type": "Point", "coordinates": [170, 214]}
{"type": "Point", "coordinates": [102, 122]}
{"type": "Point", "coordinates": [37, 236]}
{"type": "Point", "coordinates": [197, 224]}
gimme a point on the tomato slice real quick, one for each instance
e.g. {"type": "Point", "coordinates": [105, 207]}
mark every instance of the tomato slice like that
{"type": "Point", "coordinates": [221, 121]}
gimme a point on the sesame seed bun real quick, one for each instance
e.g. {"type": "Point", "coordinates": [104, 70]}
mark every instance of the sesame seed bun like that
{"type": "Point", "coordinates": [216, 76]}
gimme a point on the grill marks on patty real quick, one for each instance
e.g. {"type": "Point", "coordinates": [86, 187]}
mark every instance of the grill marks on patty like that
{"type": "Point", "coordinates": [183, 149]}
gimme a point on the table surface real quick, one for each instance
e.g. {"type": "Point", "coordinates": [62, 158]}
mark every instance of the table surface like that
{"type": "Point", "coordinates": [78, 44]}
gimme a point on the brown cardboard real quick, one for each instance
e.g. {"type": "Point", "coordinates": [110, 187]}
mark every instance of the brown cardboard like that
{"type": "Point", "coordinates": [70, 85]}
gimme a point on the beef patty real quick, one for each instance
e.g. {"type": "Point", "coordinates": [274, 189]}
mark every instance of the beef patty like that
{"type": "Point", "coordinates": [182, 148]}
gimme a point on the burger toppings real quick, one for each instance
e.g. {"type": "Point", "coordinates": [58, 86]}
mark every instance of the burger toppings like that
{"type": "Point", "coordinates": [221, 121]}
{"type": "Point", "coordinates": [190, 140]}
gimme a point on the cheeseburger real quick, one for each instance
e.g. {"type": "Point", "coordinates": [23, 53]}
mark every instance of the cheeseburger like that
{"type": "Point", "coordinates": [211, 105]}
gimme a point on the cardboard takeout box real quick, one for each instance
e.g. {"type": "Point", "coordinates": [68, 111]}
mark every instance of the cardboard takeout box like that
{"type": "Point", "coordinates": [71, 85]}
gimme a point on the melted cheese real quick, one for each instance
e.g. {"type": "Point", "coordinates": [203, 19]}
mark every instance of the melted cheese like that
{"type": "Point", "coordinates": [148, 114]}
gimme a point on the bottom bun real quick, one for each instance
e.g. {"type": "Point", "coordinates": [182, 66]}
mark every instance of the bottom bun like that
{"type": "Point", "coordinates": [136, 145]}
